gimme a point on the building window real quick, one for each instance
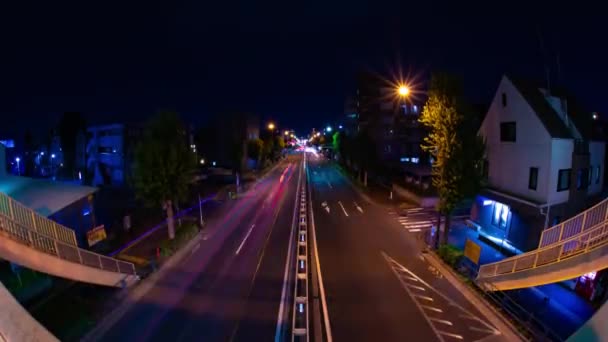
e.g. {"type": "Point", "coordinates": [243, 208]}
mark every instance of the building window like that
{"type": "Point", "coordinates": [500, 215]}
{"type": "Point", "coordinates": [507, 131]}
{"type": "Point", "coordinates": [533, 178]}
{"type": "Point", "coordinates": [415, 109]}
{"type": "Point", "coordinates": [582, 179]}
{"type": "Point", "coordinates": [597, 174]}
{"type": "Point", "coordinates": [563, 180]}
{"type": "Point", "coordinates": [504, 99]}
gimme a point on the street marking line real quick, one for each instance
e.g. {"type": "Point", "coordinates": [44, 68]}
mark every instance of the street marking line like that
{"type": "Point", "coordinates": [416, 287]}
{"type": "Point", "coordinates": [358, 207]}
{"type": "Point", "coordinates": [452, 303]}
{"type": "Point", "coordinates": [450, 334]}
{"type": "Point", "coordinates": [442, 321]}
{"type": "Point", "coordinates": [483, 330]}
{"type": "Point", "coordinates": [414, 230]}
{"type": "Point", "coordinates": [410, 278]}
{"type": "Point", "coordinates": [344, 210]}
{"type": "Point", "coordinates": [432, 308]}
{"type": "Point", "coordinates": [423, 297]}
{"type": "Point", "coordinates": [245, 239]}
{"type": "Point", "coordinates": [281, 314]}
{"type": "Point", "coordinates": [318, 264]}
{"type": "Point", "coordinates": [467, 317]}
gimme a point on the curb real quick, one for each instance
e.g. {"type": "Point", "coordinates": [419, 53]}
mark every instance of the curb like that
{"type": "Point", "coordinates": [128, 298]}
{"type": "Point", "coordinates": [508, 331]}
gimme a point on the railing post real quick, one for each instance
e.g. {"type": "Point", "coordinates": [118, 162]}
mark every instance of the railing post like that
{"type": "Point", "coordinates": [584, 221]}
{"type": "Point", "coordinates": [100, 263]}
{"type": "Point", "coordinates": [56, 249]}
{"type": "Point", "coordinates": [535, 260]}
{"type": "Point", "coordinates": [514, 264]}
{"type": "Point", "coordinates": [10, 208]}
{"type": "Point", "coordinates": [561, 232]}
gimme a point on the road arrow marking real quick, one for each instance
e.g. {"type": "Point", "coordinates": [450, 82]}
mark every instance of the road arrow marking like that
{"type": "Point", "coordinates": [358, 207]}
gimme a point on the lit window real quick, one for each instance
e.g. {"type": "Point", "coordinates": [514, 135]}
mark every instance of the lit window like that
{"type": "Point", "coordinates": [415, 109]}
{"type": "Point", "coordinates": [563, 180]}
{"type": "Point", "coordinates": [415, 160]}
{"type": "Point", "coordinates": [405, 159]}
{"type": "Point", "coordinates": [500, 216]}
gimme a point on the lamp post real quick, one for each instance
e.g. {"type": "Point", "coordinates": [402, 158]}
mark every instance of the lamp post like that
{"type": "Point", "coordinates": [271, 126]}
{"type": "Point", "coordinates": [18, 166]}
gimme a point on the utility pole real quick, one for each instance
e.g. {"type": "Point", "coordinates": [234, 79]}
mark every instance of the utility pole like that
{"type": "Point", "coordinates": [200, 210]}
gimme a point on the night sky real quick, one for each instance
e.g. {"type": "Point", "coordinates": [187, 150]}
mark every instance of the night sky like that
{"type": "Point", "coordinates": [290, 61]}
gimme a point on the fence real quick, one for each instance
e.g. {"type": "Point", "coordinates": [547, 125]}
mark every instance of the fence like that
{"type": "Point", "coordinates": [586, 220]}
{"type": "Point", "coordinates": [47, 244]}
{"type": "Point", "coordinates": [575, 245]}
{"type": "Point", "coordinates": [25, 216]}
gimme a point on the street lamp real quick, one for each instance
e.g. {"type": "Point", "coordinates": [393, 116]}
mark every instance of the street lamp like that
{"type": "Point", "coordinates": [271, 126]}
{"type": "Point", "coordinates": [403, 90]}
{"type": "Point", "coordinates": [203, 161]}
{"type": "Point", "coordinates": [18, 168]}
{"type": "Point", "coordinates": [328, 128]}
{"type": "Point", "coordinates": [286, 132]}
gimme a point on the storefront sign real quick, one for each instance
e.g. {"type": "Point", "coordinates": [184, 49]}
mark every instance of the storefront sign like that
{"type": "Point", "coordinates": [96, 235]}
{"type": "Point", "coordinates": [472, 251]}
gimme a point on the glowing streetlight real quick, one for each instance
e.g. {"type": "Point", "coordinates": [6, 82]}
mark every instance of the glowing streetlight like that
{"type": "Point", "coordinates": [202, 161]}
{"type": "Point", "coordinates": [403, 90]}
{"type": "Point", "coordinates": [18, 167]}
{"type": "Point", "coordinates": [271, 126]}
{"type": "Point", "coordinates": [328, 129]}
{"type": "Point", "coordinates": [286, 132]}
{"type": "Point", "coordinates": [53, 155]}
{"type": "Point", "coordinates": [594, 116]}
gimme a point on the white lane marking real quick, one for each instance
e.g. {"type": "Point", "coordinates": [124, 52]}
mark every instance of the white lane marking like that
{"type": "Point", "coordinates": [281, 315]}
{"type": "Point", "coordinates": [442, 321]}
{"type": "Point", "coordinates": [416, 287]}
{"type": "Point", "coordinates": [424, 297]}
{"type": "Point", "coordinates": [402, 268]}
{"type": "Point", "coordinates": [415, 225]}
{"type": "Point", "coordinates": [245, 239]}
{"type": "Point", "coordinates": [450, 334]}
{"type": "Point", "coordinates": [416, 230]}
{"type": "Point", "coordinates": [344, 210]}
{"type": "Point", "coordinates": [331, 187]}
{"type": "Point", "coordinates": [358, 207]}
{"type": "Point", "coordinates": [432, 308]}
{"type": "Point", "coordinates": [410, 278]}
{"type": "Point", "coordinates": [483, 330]}
{"type": "Point", "coordinates": [320, 276]}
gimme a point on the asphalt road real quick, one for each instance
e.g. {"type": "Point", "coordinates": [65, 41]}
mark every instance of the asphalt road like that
{"type": "Point", "coordinates": [230, 287]}
{"type": "Point", "coordinates": [378, 286]}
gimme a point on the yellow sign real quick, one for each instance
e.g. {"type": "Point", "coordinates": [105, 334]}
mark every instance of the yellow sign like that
{"type": "Point", "coordinates": [96, 234]}
{"type": "Point", "coordinates": [472, 251]}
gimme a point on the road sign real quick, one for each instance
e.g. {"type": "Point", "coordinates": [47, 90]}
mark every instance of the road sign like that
{"type": "Point", "coordinates": [472, 251]}
{"type": "Point", "coordinates": [96, 235]}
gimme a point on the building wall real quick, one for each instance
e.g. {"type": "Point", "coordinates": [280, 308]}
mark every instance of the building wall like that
{"type": "Point", "coordinates": [597, 152]}
{"type": "Point", "coordinates": [561, 158]}
{"type": "Point", "coordinates": [78, 216]}
{"type": "Point", "coordinates": [106, 154]}
{"type": "Point", "coordinates": [510, 162]}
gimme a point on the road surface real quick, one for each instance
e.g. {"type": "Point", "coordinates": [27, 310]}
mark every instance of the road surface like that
{"type": "Point", "coordinates": [230, 287]}
{"type": "Point", "coordinates": [378, 285]}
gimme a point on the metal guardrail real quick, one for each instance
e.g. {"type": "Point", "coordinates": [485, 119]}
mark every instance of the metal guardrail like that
{"type": "Point", "coordinates": [300, 322]}
{"type": "Point", "coordinates": [29, 218]}
{"type": "Point", "coordinates": [66, 251]}
{"type": "Point", "coordinates": [573, 246]}
{"type": "Point", "coordinates": [575, 225]}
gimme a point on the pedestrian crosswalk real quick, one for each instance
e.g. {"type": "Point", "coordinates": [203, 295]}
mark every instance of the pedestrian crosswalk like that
{"type": "Point", "coordinates": [416, 219]}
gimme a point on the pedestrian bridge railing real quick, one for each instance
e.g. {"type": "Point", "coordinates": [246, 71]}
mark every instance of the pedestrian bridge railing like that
{"type": "Point", "coordinates": [582, 222]}
{"type": "Point", "coordinates": [24, 234]}
{"type": "Point", "coordinates": [27, 217]}
{"type": "Point", "coordinates": [577, 245]}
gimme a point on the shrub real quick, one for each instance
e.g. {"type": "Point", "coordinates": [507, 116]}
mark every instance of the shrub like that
{"type": "Point", "coordinates": [184, 233]}
{"type": "Point", "coordinates": [450, 254]}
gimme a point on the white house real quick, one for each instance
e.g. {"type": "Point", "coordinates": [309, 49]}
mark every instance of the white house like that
{"type": "Point", "coordinates": [542, 163]}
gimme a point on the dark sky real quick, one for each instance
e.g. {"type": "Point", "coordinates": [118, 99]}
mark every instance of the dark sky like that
{"type": "Point", "coordinates": [291, 61]}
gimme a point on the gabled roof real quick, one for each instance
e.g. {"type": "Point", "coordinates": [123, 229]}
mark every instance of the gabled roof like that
{"type": "Point", "coordinates": [546, 114]}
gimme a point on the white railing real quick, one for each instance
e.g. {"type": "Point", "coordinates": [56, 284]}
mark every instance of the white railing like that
{"type": "Point", "coordinates": [27, 217]}
{"type": "Point", "coordinates": [575, 225]}
{"type": "Point", "coordinates": [576, 245]}
{"type": "Point", "coordinates": [66, 251]}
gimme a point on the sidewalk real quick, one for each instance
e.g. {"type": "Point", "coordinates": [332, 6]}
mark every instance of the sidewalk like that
{"type": "Point", "coordinates": [556, 306]}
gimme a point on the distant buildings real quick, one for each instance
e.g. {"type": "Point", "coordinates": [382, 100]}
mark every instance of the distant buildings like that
{"type": "Point", "coordinates": [543, 163]}
{"type": "Point", "coordinates": [110, 153]}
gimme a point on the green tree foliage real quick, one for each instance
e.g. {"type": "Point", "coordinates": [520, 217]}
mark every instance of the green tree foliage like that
{"type": "Point", "coordinates": [453, 142]}
{"type": "Point", "coordinates": [163, 164]}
